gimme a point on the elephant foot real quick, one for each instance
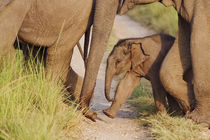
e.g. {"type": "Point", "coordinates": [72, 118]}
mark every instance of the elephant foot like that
{"type": "Point", "coordinates": [90, 115]}
{"type": "Point", "coordinates": [108, 113]}
{"type": "Point", "coordinates": [199, 118]}
{"type": "Point", "coordinates": [87, 113]}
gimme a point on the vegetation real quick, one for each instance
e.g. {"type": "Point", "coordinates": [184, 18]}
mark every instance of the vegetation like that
{"type": "Point", "coordinates": [31, 106]}
{"type": "Point", "coordinates": [112, 41]}
{"type": "Point", "coordinates": [163, 127]}
{"type": "Point", "coordinates": [156, 16]}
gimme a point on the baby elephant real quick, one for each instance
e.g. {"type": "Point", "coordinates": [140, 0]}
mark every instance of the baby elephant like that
{"type": "Point", "coordinates": [140, 57]}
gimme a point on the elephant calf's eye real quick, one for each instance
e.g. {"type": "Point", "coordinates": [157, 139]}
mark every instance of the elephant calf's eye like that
{"type": "Point", "coordinates": [117, 61]}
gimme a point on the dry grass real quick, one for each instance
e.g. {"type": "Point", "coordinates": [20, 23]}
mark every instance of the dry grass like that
{"type": "Point", "coordinates": [31, 106]}
{"type": "Point", "coordinates": [164, 127]}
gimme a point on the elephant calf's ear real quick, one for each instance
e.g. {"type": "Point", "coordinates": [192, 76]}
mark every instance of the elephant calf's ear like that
{"type": "Point", "coordinates": [138, 57]}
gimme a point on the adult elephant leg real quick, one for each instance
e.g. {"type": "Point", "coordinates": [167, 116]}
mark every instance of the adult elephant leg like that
{"type": "Point", "coordinates": [58, 67]}
{"type": "Point", "coordinates": [173, 105]}
{"type": "Point", "coordinates": [105, 12]}
{"type": "Point", "coordinates": [58, 60]}
{"type": "Point", "coordinates": [74, 85]}
{"type": "Point", "coordinates": [200, 51]}
{"type": "Point", "coordinates": [161, 96]}
{"type": "Point", "coordinates": [11, 18]}
{"type": "Point", "coordinates": [172, 70]}
{"type": "Point", "coordinates": [124, 90]}
{"type": "Point", "coordinates": [58, 63]}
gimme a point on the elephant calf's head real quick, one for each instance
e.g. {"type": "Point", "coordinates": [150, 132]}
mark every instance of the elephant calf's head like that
{"type": "Point", "coordinates": [126, 55]}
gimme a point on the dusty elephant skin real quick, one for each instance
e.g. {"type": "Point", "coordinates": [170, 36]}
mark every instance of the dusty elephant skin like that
{"type": "Point", "coordinates": [37, 53]}
{"type": "Point", "coordinates": [140, 57]}
{"type": "Point", "coordinates": [58, 29]}
{"type": "Point", "coordinates": [3, 3]}
{"type": "Point", "coordinates": [193, 35]}
{"type": "Point", "coordinates": [105, 12]}
{"type": "Point", "coordinates": [59, 26]}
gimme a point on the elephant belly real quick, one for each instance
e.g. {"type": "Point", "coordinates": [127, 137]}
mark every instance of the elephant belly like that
{"type": "Point", "coordinates": [47, 20]}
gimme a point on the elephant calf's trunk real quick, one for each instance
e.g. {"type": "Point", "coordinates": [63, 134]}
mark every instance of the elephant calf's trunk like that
{"type": "Point", "coordinates": [108, 97]}
{"type": "Point", "coordinates": [108, 87]}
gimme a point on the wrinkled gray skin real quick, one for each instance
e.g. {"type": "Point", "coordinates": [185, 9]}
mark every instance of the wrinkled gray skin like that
{"type": "Point", "coordinates": [59, 25]}
{"type": "Point", "coordinates": [140, 57]}
{"type": "Point", "coordinates": [193, 35]}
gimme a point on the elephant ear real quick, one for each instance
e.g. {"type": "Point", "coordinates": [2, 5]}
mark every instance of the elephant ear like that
{"type": "Point", "coordinates": [168, 3]}
{"type": "Point", "coordinates": [138, 57]}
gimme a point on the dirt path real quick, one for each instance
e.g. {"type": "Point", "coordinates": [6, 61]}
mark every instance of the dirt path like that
{"type": "Point", "coordinates": [124, 27]}
{"type": "Point", "coordinates": [124, 126]}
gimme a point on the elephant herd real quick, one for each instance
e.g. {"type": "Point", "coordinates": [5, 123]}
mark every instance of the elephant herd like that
{"type": "Point", "coordinates": [178, 68]}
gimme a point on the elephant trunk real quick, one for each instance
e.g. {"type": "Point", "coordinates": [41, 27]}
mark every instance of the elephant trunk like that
{"type": "Point", "coordinates": [104, 15]}
{"type": "Point", "coordinates": [108, 83]}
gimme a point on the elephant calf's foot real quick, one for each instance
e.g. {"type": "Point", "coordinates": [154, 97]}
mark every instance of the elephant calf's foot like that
{"type": "Point", "coordinates": [109, 113]}
{"type": "Point", "coordinates": [87, 113]}
{"type": "Point", "coordinates": [90, 115]}
{"type": "Point", "coordinates": [199, 118]}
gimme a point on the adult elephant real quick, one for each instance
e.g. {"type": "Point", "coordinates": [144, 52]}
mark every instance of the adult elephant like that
{"type": "Point", "coordinates": [58, 25]}
{"type": "Point", "coordinates": [193, 35]}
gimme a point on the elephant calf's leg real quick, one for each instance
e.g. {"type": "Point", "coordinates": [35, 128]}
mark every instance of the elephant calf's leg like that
{"type": "Point", "coordinates": [124, 90]}
{"type": "Point", "coordinates": [159, 95]}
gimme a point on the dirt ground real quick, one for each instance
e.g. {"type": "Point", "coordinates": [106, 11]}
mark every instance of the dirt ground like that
{"type": "Point", "coordinates": [124, 126]}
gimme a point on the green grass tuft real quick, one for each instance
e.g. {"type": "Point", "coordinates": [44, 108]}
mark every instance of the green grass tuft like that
{"type": "Point", "coordinates": [157, 17]}
{"type": "Point", "coordinates": [31, 106]}
{"type": "Point", "coordinates": [164, 126]}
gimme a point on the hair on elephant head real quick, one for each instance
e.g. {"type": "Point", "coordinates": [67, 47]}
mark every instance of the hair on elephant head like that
{"type": "Point", "coordinates": [126, 56]}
